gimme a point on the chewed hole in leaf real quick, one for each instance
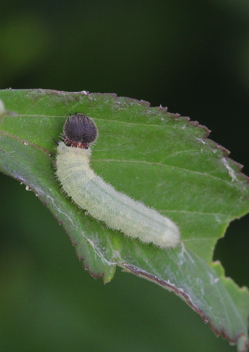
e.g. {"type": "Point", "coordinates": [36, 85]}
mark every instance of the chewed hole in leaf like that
{"type": "Point", "coordinates": [232, 251]}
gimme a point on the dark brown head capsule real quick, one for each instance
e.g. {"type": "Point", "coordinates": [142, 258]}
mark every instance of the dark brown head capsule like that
{"type": "Point", "coordinates": [79, 131]}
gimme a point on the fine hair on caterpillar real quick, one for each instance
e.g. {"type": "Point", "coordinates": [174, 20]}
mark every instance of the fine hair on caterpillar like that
{"type": "Point", "coordinates": [90, 192]}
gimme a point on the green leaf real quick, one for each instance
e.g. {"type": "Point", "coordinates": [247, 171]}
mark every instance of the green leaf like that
{"type": "Point", "coordinates": [159, 158]}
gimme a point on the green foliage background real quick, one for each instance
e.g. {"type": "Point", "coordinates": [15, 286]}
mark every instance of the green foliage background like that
{"type": "Point", "coordinates": [189, 55]}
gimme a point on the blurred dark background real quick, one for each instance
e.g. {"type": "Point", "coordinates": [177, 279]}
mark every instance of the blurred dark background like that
{"type": "Point", "coordinates": [189, 55]}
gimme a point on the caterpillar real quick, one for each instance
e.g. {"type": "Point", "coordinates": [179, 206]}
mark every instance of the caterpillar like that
{"type": "Point", "coordinates": [100, 199]}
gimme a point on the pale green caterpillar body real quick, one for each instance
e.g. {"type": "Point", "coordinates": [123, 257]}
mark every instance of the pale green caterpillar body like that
{"type": "Point", "coordinates": [102, 201]}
